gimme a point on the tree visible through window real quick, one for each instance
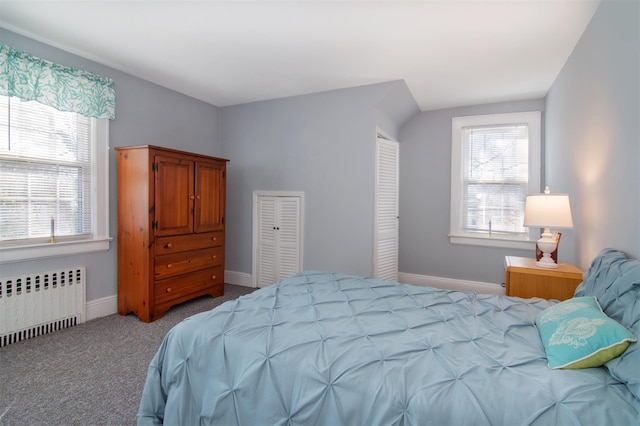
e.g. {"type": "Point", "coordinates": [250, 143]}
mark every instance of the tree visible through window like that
{"type": "Point", "coordinates": [495, 178]}
{"type": "Point", "coordinates": [54, 158]}
{"type": "Point", "coordinates": [495, 164]}
{"type": "Point", "coordinates": [45, 173]}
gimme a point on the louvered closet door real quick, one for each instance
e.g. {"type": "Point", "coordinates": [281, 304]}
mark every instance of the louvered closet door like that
{"type": "Point", "coordinates": [288, 237]}
{"type": "Point", "coordinates": [266, 266]}
{"type": "Point", "coordinates": [278, 240]}
{"type": "Point", "coordinates": [386, 214]}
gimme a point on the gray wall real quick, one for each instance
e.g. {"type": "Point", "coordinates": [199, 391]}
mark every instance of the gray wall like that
{"type": "Point", "coordinates": [591, 151]}
{"type": "Point", "coordinates": [321, 144]}
{"type": "Point", "coordinates": [425, 196]}
{"type": "Point", "coordinates": [593, 134]}
{"type": "Point", "coordinates": [145, 114]}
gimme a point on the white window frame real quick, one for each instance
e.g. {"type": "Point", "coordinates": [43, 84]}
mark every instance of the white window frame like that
{"type": "Point", "coordinates": [457, 234]}
{"type": "Point", "coordinates": [100, 240]}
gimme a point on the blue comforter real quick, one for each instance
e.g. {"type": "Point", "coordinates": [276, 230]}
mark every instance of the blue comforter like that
{"type": "Point", "coordinates": [332, 349]}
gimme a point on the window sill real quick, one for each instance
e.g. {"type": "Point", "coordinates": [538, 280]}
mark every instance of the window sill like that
{"type": "Point", "coordinates": [41, 251]}
{"type": "Point", "coordinates": [492, 242]}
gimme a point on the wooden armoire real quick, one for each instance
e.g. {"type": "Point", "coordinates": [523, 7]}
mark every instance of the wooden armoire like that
{"type": "Point", "coordinates": [171, 207]}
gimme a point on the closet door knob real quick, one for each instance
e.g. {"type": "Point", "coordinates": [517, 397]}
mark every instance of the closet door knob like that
{"type": "Point", "coordinates": [193, 197]}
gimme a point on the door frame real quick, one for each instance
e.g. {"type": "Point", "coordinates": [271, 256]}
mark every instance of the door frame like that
{"type": "Point", "coordinates": [255, 237]}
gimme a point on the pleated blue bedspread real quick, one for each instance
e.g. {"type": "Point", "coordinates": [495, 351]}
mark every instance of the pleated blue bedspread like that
{"type": "Point", "coordinates": [333, 349]}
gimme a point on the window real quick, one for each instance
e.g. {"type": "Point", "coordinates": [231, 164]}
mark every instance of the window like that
{"type": "Point", "coordinates": [495, 164]}
{"type": "Point", "coordinates": [53, 181]}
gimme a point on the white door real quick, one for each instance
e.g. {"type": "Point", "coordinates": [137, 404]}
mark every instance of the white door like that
{"type": "Point", "coordinates": [385, 261]}
{"type": "Point", "coordinates": [287, 233]}
{"type": "Point", "coordinates": [266, 270]}
{"type": "Point", "coordinates": [277, 237]}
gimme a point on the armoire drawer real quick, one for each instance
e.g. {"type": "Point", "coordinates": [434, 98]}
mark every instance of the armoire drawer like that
{"type": "Point", "coordinates": [184, 285]}
{"type": "Point", "coordinates": [170, 265]}
{"type": "Point", "coordinates": [178, 243]}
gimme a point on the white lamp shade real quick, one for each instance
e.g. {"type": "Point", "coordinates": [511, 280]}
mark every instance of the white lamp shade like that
{"type": "Point", "coordinates": [548, 211]}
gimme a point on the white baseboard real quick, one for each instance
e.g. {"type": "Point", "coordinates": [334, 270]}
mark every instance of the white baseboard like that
{"type": "Point", "coordinates": [238, 278]}
{"type": "Point", "coordinates": [246, 280]}
{"type": "Point", "coordinates": [102, 307]}
{"type": "Point", "coordinates": [109, 305]}
{"type": "Point", "coordinates": [450, 284]}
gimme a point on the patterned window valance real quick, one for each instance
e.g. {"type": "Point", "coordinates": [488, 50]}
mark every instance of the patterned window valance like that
{"type": "Point", "coordinates": [64, 88]}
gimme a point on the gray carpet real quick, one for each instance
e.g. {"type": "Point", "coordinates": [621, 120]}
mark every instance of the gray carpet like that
{"type": "Point", "coordinates": [91, 374]}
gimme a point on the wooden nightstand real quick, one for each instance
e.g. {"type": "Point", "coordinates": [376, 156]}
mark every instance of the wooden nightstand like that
{"type": "Point", "coordinates": [525, 279]}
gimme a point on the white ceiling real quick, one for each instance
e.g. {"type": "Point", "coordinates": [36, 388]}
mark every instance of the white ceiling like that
{"type": "Point", "coordinates": [449, 52]}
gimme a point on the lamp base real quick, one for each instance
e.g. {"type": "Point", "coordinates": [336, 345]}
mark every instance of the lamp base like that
{"type": "Point", "coordinates": [547, 244]}
{"type": "Point", "coordinates": [546, 262]}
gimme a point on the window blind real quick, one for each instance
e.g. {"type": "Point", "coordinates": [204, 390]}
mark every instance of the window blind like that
{"type": "Point", "coordinates": [45, 172]}
{"type": "Point", "coordinates": [495, 178]}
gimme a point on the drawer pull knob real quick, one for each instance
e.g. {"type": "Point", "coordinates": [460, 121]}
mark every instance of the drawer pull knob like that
{"type": "Point", "coordinates": [213, 277]}
{"type": "Point", "coordinates": [214, 256]}
{"type": "Point", "coordinates": [169, 266]}
{"type": "Point", "coordinates": [214, 238]}
{"type": "Point", "coordinates": [169, 290]}
{"type": "Point", "coordinates": [168, 245]}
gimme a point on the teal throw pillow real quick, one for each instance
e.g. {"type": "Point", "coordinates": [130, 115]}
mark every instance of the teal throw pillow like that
{"type": "Point", "coordinates": [577, 334]}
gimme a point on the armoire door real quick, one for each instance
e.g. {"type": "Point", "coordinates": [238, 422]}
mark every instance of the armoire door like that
{"type": "Point", "coordinates": [277, 238]}
{"type": "Point", "coordinates": [210, 187]}
{"type": "Point", "coordinates": [174, 196]}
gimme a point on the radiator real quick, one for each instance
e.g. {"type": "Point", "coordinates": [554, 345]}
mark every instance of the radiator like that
{"type": "Point", "coordinates": [36, 304]}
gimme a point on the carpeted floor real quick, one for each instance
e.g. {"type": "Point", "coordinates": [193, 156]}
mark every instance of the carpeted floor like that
{"type": "Point", "coordinates": [91, 374]}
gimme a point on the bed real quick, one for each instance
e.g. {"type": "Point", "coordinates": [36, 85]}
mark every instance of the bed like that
{"type": "Point", "coordinates": [333, 349]}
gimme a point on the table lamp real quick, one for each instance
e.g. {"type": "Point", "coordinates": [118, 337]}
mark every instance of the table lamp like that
{"type": "Point", "coordinates": [546, 211]}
